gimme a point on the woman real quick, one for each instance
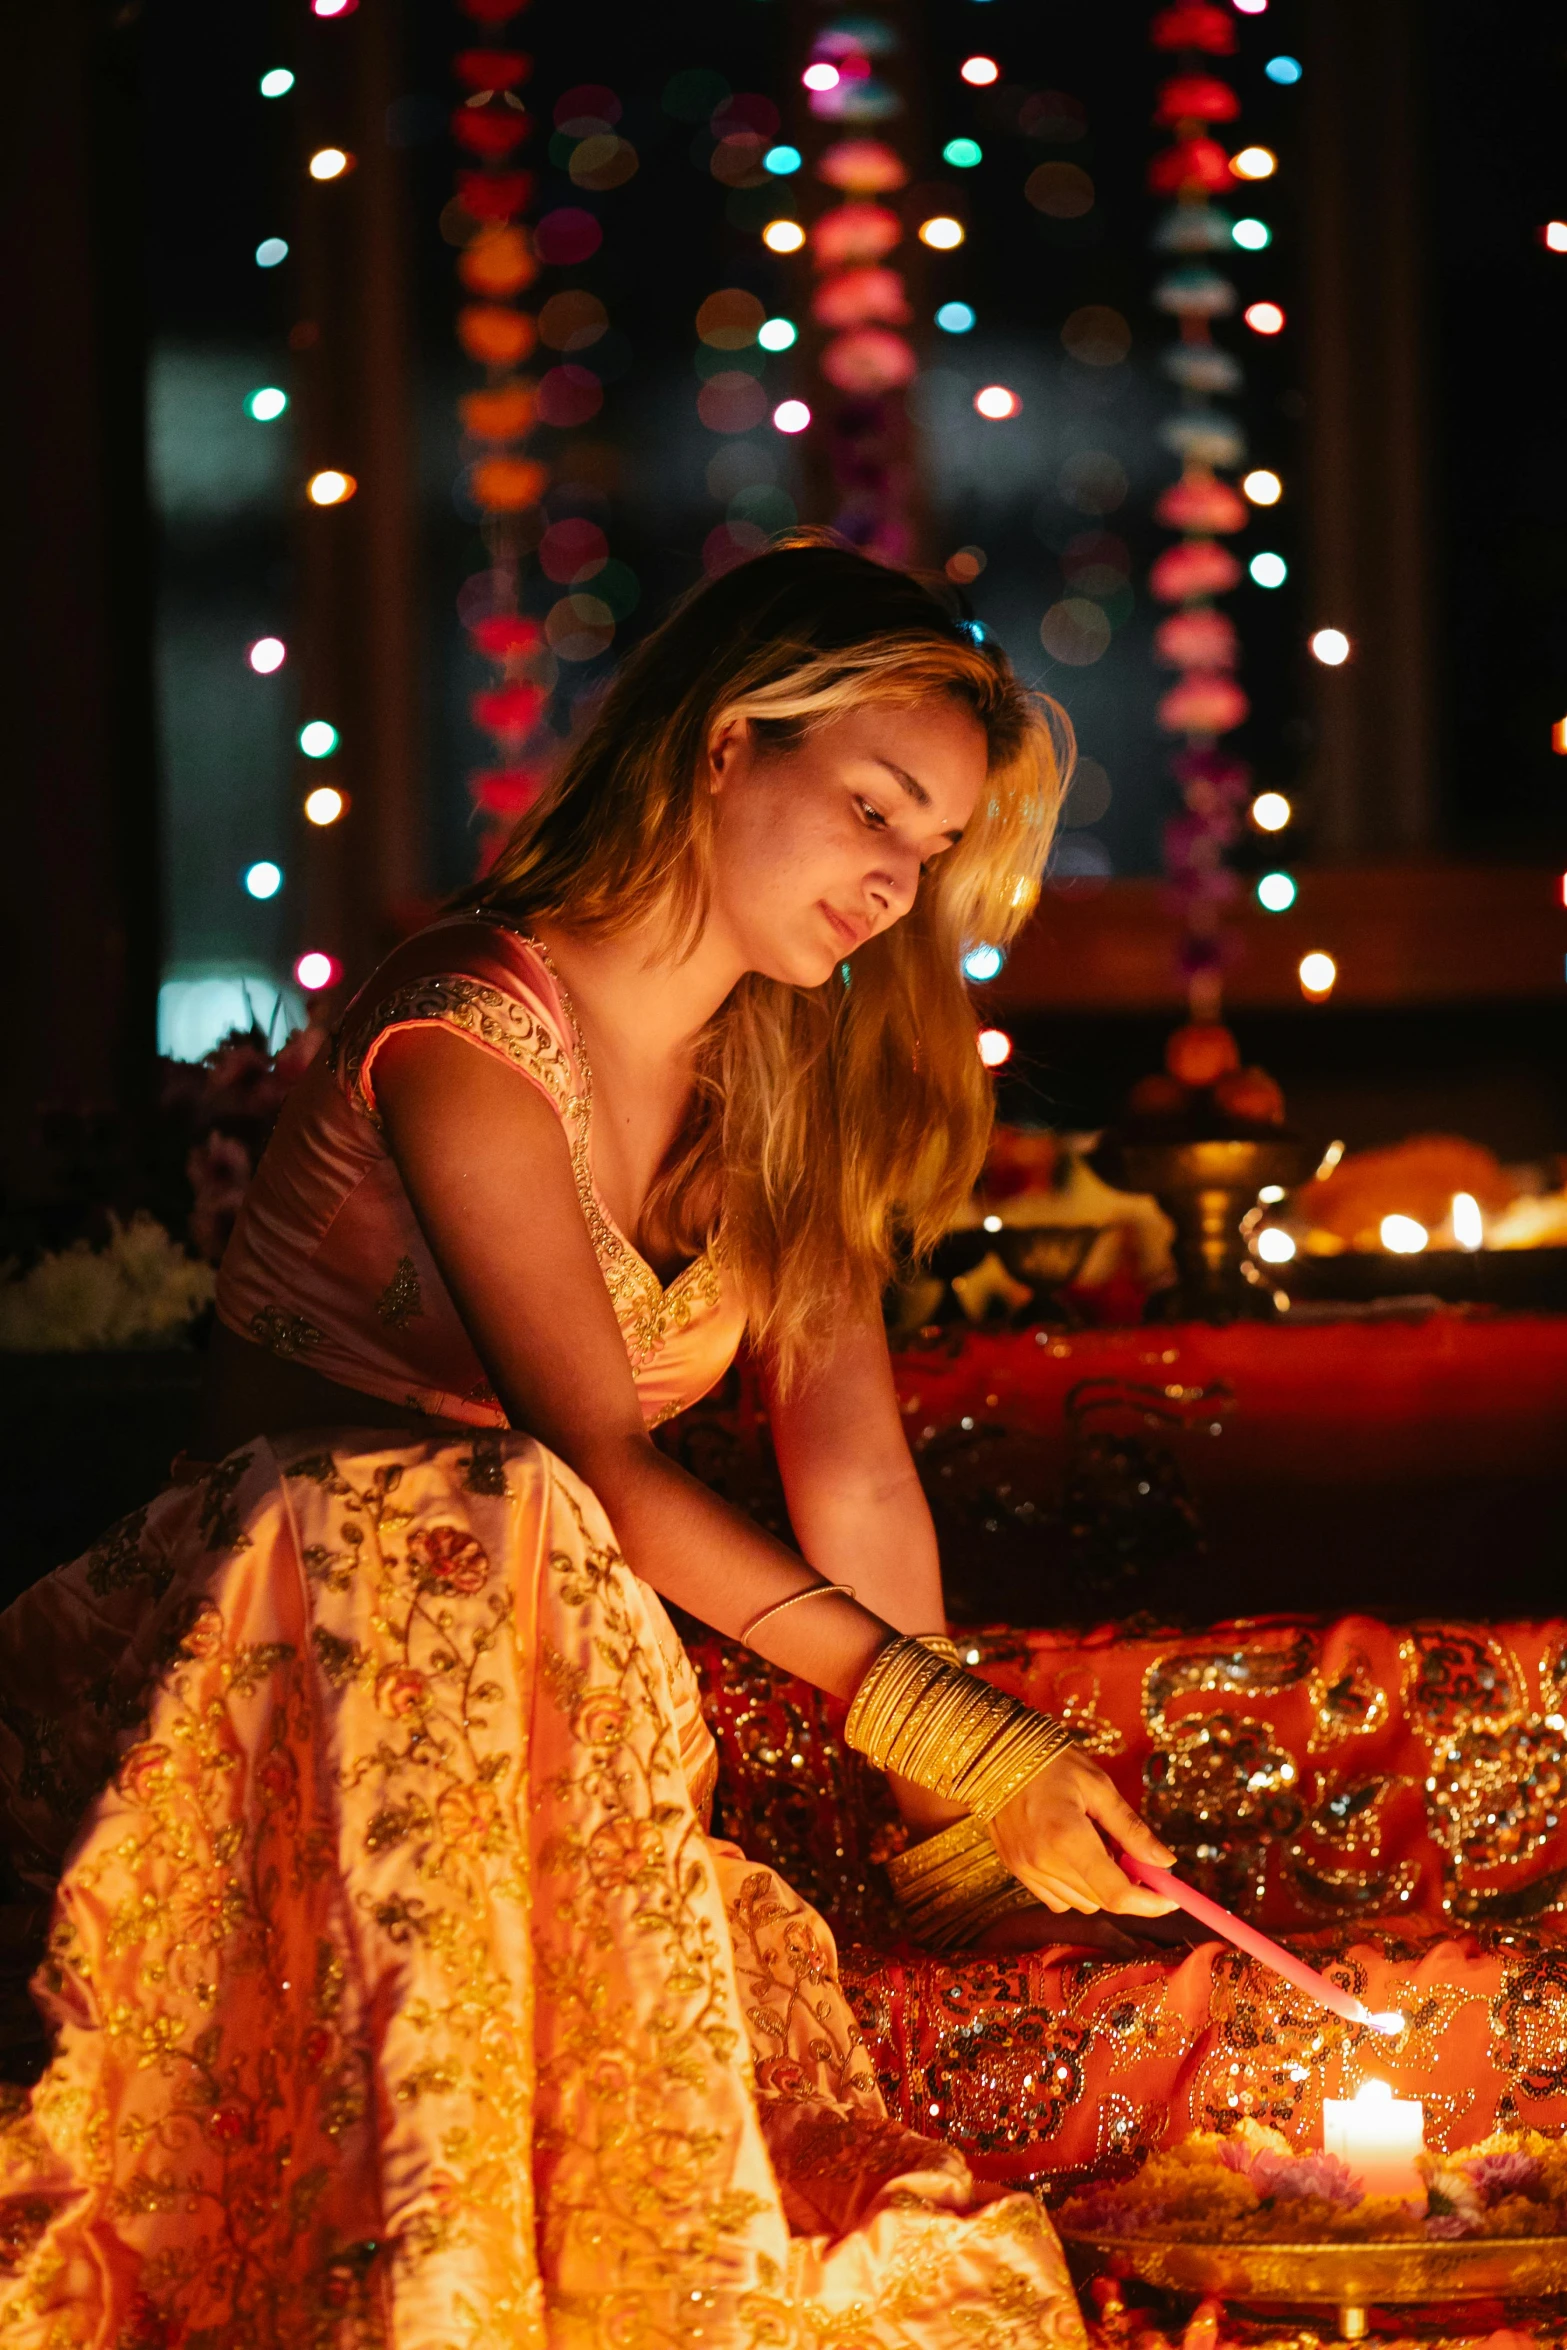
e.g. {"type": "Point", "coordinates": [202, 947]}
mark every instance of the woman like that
{"type": "Point", "coordinates": [401, 1996]}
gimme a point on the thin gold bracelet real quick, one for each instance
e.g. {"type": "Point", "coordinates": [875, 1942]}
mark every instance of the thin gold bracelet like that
{"type": "Point", "coordinates": [811, 1591]}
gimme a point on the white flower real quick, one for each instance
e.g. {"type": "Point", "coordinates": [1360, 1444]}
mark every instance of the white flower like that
{"type": "Point", "coordinates": [139, 1290]}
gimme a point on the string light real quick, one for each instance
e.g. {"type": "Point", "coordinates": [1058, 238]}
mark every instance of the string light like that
{"type": "Point", "coordinates": [821, 76]}
{"type": "Point", "coordinates": [330, 488]}
{"type": "Point", "coordinates": [963, 154]}
{"type": "Point", "coordinates": [1264, 318]}
{"type": "Point", "coordinates": [942, 233]}
{"type": "Point", "coordinates": [267, 404]}
{"type": "Point", "coordinates": [995, 1046]}
{"type": "Point", "coordinates": [1554, 236]}
{"type": "Point", "coordinates": [1254, 163]}
{"type": "Point", "coordinates": [1283, 70]}
{"type": "Point", "coordinates": [1403, 1235]}
{"type": "Point", "coordinates": [1276, 892]}
{"type": "Point", "coordinates": [276, 82]}
{"type": "Point", "coordinates": [1271, 811]}
{"type": "Point", "coordinates": [955, 318]}
{"type": "Point", "coordinates": [263, 879]}
{"type": "Point", "coordinates": [1252, 236]}
{"type": "Point", "coordinates": [314, 971]}
{"type": "Point", "coordinates": [1318, 975]}
{"type": "Point", "coordinates": [271, 251]}
{"type": "Point", "coordinates": [1268, 570]}
{"type": "Point", "coordinates": [1274, 1245]}
{"type": "Point", "coordinates": [782, 160]}
{"type": "Point", "coordinates": [980, 72]}
{"type": "Point", "coordinates": [791, 416]}
{"type": "Point", "coordinates": [777, 334]}
{"type": "Point", "coordinates": [318, 738]}
{"type": "Point", "coordinates": [1263, 488]}
{"type": "Point", "coordinates": [783, 236]}
{"type": "Point", "coordinates": [266, 654]}
{"type": "Point", "coordinates": [324, 805]}
{"type": "Point", "coordinates": [1251, 7]}
{"type": "Point", "coordinates": [997, 403]}
{"type": "Point", "coordinates": [1330, 646]}
{"type": "Point", "coordinates": [333, 7]}
{"type": "Point", "coordinates": [982, 962]}
{"type": "Point", "coordinates": [330, 163]}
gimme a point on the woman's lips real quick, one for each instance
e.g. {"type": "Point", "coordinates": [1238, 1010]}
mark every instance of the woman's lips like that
{"type": "Point", "coordinates": [848, 933]}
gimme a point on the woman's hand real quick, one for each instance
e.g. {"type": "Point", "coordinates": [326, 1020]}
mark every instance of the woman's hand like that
{"type": "Point", "coordinates": [1048, 1835]}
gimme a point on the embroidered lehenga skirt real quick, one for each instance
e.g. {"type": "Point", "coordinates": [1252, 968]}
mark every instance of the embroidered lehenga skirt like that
{"type": "Point", "coordinates": [398, 1994]}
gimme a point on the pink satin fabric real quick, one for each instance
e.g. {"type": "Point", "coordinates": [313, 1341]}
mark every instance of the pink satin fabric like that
{"type": "Point", "coordinates": [327, 1264]}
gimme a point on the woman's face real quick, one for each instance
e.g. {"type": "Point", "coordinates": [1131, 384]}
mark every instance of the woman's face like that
{"type": "Point", "coordinates": [821, 847]}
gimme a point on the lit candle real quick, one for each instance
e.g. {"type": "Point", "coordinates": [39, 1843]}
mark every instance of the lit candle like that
{"type": "Point", "coordinates": [1378, 2135]}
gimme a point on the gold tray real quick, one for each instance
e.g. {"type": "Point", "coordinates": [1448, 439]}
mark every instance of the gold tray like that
{"type": "Point", "coordinates": [1344, 2277]}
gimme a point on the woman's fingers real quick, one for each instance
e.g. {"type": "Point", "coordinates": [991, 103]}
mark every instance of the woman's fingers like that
{"type": "Point", "coordinates": [1048, 1837]}
{"type": "Point", "coordinates": [1106, 1805]}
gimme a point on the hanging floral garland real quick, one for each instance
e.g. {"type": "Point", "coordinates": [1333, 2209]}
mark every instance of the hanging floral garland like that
{"type": "Point", "coordinates": [1197, 638]}
{"type": "Point", "coordinates": [495, 264]}
{"type": "Point", "coordinates": [860, 305]}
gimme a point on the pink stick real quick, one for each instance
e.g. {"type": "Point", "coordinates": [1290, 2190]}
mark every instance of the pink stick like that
{"type": "Point", "coordinates": [1247, 1938]}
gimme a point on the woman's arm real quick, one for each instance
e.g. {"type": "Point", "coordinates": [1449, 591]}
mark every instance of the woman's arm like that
{"type": "Point", "coordinates": [488, 1172]}
{"type": "Point", "coordinates": [855, 1502]}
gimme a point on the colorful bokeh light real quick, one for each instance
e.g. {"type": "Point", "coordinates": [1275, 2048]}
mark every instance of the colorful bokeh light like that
{"type": "Point", "coordinates": [963, 154]}
{"type": "Point", "coordinates": [263, 879]}
{"type": "Point", "coordinates": [267, 654]}
{"type": "Point", "coordinates": [995, 1047]}
{"type": "Point", "coordinates": [1254, 163]}
{"type": "Point", "coordinates": [791, 416]}
{"type": "Point", "coordinates": [271, 251]}
{"type": "Point", "coordinates": [1276, 892]}
{"type": "Point", "coordinates": [1330, 646]}
{"type": "Point", "coordinates": [1271, 811]}
{"type": "Point", "coordinates": [276, 82]}
{"type": "Point", "coordinates": [1264, 318]}
{"type": "Point", "coordinates": [316, 970]}
{"type": "Point", "coordinates": [941, 232]}
{"type": "Point", "coordinates": [324, 805]}
{"type": "Point", "coordinates": [267, 404]}
{"type": "Point", "coordinates": [783, 236]}
{"type": "Point", "coordinates": [318, 738]}
{"type": "Point", "coordinates": [777, 334]}
{"type": "Point", "coordinates": [1318, 974]}
{"type": "Point", "coordinates": [997, 403]}
{"type": "Point", "coordinates": [1263, 487]}
{"type": "Point", "coordinates": [330, 488]}
{"type": "Point", "coordinates": [1268, 570]}
{"type": "Point", "coordinates": [1252, 236]}
{"type": "Point", "coordinates": [980, 72]}
{"type": "Point", "coordinates": [329, 163]}
{"type": "Point", "coordinates": [955, 318]}
{"type": "Point", "coordinates": [782, 160]}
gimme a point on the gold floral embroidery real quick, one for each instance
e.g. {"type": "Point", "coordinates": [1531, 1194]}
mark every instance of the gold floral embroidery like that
{"type": "Point", "coordinates": [286, 1334]}
{"type": "Point", "coordinates": [401, 1300]}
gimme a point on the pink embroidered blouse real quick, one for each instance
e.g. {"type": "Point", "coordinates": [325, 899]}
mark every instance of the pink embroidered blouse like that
{"type": "Point", "coordinates": [327, 1263]}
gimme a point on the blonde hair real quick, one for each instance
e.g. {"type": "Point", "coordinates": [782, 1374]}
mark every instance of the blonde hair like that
{"type": "Point", "coordinates": [835, 1130]}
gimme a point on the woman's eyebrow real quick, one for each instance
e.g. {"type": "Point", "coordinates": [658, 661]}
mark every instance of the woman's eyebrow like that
{"type": "Point", "coordinates": [916, 791]}
{"type": "Point", "coordinates": [911, 784]}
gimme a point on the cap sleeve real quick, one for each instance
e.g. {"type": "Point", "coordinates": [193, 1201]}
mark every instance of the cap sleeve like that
{"type": "Point", "coordinates": [497, 1013]}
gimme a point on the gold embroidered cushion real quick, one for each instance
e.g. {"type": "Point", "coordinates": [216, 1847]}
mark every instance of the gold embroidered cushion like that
{"type": "Point", "coordinates": [327, 1264]}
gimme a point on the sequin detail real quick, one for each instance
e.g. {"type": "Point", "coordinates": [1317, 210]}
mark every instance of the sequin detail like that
{"type": "Point", "coordinates": [402, 1299]}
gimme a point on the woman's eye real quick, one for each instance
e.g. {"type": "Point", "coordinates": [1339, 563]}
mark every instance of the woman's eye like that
{"type": "Point", "coordinates": [873, 815]}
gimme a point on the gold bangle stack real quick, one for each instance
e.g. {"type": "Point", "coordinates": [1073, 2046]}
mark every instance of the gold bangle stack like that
{"type": "Point", "coordinates": [948, 1731]}
{"type": "Point", "coordinates": [954, 1885]}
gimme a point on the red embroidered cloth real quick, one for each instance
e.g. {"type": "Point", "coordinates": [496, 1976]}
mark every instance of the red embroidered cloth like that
{"type": "Point", "coordinates": [1390, 1799]}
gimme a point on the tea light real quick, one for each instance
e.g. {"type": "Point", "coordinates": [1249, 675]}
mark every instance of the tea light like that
{"type": "Point", "coordinates": [1378, 2135]}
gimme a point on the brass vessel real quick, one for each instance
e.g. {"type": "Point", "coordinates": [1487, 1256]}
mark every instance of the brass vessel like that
{"type": "Point", "coordinates": [1205, 1188]}
{"type": "Point", "coordinates": [1345, 2278]}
